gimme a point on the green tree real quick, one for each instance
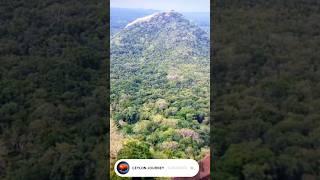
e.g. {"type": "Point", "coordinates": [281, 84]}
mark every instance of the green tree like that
{"type": "Point", "coordinates": [135, 149]}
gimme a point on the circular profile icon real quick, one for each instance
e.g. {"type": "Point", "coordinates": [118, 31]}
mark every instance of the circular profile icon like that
{"type": "Point", "coordinates": [123, 167]}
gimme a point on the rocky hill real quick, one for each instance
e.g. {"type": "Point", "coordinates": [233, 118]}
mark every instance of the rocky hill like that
{"type": "Point", "coordinates": [164, 35]}
{"type": "Point", "coordinates": [160, 87]}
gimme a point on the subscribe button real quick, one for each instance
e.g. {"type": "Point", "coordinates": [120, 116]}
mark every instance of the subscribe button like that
{"type": "Point", "coordinates": [156, 167]}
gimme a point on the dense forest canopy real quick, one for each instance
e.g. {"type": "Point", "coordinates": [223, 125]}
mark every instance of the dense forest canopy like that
{"type": "Point", "coordinates": [53, 57]}
{"type": "Point", "coordinates": [160, 89]}
{"type": "Point", "coordinates": [266, 77]}
{"type": "Point", "coordinates": [266, 73]}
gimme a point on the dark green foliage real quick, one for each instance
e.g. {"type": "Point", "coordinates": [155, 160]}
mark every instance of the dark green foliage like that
{"type": "Point", "coordinates": [135, 150]}
{"type": "Point", "coordinates": [267, 75]}
{"type": "Point", "coordinates": [160, 88]}
{"type": "Point", "coordinates": [53, 89]}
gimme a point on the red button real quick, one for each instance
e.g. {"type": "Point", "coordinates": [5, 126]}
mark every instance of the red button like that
{"type": "Point", "coordinates": [123, 167]}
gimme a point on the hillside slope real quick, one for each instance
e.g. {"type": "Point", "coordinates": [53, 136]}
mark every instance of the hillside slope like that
{"type": "Point", "coordinates": [160, 87]}
{"type": "Point", "coordinates": [165, 35]}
